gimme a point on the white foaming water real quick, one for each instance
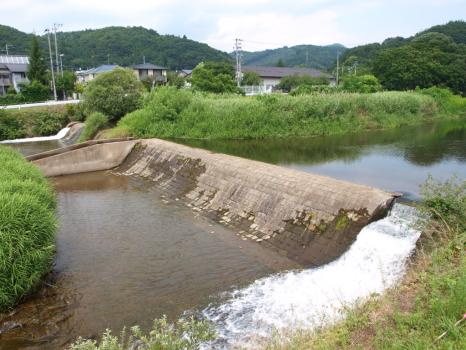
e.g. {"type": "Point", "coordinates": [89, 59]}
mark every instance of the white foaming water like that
{"type": "Point", "coordinates": [61, 134]}
{"type": "Point", "coordinates": [316, 297]}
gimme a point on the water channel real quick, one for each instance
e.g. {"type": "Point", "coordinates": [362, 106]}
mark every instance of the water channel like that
{"type": "Point", "coordinates": [126, 255]}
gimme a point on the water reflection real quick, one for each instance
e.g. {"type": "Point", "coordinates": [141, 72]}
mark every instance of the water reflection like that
{"type": "Point", "coordinates": [396, 159]}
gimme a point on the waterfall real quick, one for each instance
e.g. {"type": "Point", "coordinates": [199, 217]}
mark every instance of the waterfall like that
{"type": "Point", "coordinates": [316, 297]}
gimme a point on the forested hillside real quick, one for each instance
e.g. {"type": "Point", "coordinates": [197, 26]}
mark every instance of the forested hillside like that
{"type": "Point", "coordinates": [120, 45]}
{"type": "Point", "coordinates": [311, 56]}
{"type": "Point", "coordinates": [436, 56]}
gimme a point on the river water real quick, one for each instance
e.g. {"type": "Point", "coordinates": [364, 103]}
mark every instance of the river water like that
{"type": "Point", "coordinates": [126, 254]}
{"type": "Point", "coordinates": [394, 160]}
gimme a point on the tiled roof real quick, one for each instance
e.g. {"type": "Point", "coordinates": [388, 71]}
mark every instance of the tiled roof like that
{"type": "Point", "coordinates": [280, 72]}
{"type": "Point", "coordinates": [14, 59]}
{"type": "Point", "coordinates": [147, 66]}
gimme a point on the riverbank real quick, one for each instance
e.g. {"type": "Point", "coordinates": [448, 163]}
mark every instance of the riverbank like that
{"type": "Point", "coordinates": [424, 310]}
{"type": "Point", "coordinates": [36, 121]}
{"type": "Point", "coordinates": [27, 227]}
{"type": "Point", "coordinates": [172, 113]}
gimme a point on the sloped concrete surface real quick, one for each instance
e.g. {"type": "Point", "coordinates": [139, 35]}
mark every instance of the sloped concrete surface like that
{"type": "Point", "coordinates": [309, 218]}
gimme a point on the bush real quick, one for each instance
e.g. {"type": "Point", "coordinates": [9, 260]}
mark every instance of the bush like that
{"type": "Point", "coordinates": [114, 93]}
{"type": "Point", "coordinates": [27, 227]}
{"type": "Point", "coordinates": [310, 89]}
{"type": "Point", "coordinates": [35, 92]}
{"type": "Point", "coordinates": [10, 127]}
{"type": "Point", "coordinates": [95, 122]}
{"type": "Point", "coordinates": [183, 335]}
{"type": "Point", "coordinates": [168, 112]}
{"type": "Point", "coordinates": [361, 83]}
{"type": "Point", "coordinates": [49, 123]}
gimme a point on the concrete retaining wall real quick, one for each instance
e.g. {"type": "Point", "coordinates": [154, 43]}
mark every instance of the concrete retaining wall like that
{"type": "Point", "coordinates": [309, 218]}
{"type": "Point", "coordinates": [91, 156]}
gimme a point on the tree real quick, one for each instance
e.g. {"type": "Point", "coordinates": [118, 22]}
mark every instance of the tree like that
{"type": "Point", "coordinates": [361, 83]}
{"type": "Point", "coordinates": [251, 78]}
{"type": "Point", "coordinates": [280, 63]}
{"type": "Point", "coordinates": [114, 93]}
{"type": "Point", "coordinates": [37, 69]}
{"type": "Point", "coordinates": [35, 91]}
{"type": "Point", "coordinates": [217, 77]}
{"type": "Point", "coordinates": [174, 79]}
{"type": "Point", "coordinates": [67, 83]}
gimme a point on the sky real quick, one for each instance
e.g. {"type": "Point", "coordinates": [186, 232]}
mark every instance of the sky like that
{"type": "Point", "coordinates": [262, 24]}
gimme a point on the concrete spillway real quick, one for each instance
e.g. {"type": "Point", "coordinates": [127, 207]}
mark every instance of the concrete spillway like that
{"type": "Point", "coordinates": [309, 218]}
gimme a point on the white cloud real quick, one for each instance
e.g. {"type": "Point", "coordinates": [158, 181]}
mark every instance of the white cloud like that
{"type": "Point", "coordinates": [270, 30]}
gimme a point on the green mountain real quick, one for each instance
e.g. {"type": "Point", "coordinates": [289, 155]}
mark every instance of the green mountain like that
{"type": "Point", "coordinates": [433, 57]}
{"type": "Point", "coordinates": [312, 56]}
{"type": "Point", "coordinates": [119, 45]}
{"type": "Point", "coordinates": [365, 54]}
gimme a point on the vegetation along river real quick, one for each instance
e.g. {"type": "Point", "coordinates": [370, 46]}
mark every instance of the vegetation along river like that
{"type": "Point", "coordinates": [126, 255]}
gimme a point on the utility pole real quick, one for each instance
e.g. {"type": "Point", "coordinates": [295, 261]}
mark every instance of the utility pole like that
{"type": "Point", "coordinates": [51, 65]}
{"type": "Point", "coordinates": [238, 48]}
{"type": "Point", "coordinates": [307, 58]}
{"type": "Point", "coordinates": [55, 27]}
{"type": "Point", "coordinates": [338, 66]}
{"type": "Point", "coordinates": [62, 79]}
{"type": "Point", "coordinates": [144, 59]}
{"type": "Point", "coordinates": [7, 47]}
{"type": "Point", "coordinates": [108, 58]}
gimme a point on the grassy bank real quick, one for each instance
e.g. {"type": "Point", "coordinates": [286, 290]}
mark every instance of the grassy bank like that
{"type": "Point", "coordinates": [36, 121]}
{"type": "Point", "coordinates": [27, 227]}
{"type": "Point", "coordinates": [168, 112]}
{"type": "Point", "coordinates": [430, 300]}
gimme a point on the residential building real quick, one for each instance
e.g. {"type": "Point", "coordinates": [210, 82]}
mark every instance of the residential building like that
{"type": "Point", "coordinates": [149, 71]}
{"type": "Point", "coordinates": [271, 76]}
{"type": "Point", "coordinates": [185, 73]}
{"type": "Point", "coordinates": [85, 76]}
{"type": "Point", "coordinates": [13, 71]}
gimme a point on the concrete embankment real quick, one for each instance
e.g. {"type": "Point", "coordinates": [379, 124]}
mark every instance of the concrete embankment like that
{"type": "Point", "coordinates": [309, 218]}
{"type": "Point", "coordinates": [84, 157]}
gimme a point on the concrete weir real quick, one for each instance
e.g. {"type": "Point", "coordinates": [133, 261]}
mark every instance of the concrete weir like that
{"type": "Point", "coordinates": [309, 218]}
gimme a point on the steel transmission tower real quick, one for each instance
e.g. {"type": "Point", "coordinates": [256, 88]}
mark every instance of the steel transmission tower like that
{"type": "Point", "coordinates": [238, 48]}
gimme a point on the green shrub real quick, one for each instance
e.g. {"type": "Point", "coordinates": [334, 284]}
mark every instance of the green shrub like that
{"type": "Point", "coordinates": [114, 93]}
{"type": "Point", "coordinates": [182, 335]}
{"type": "Point", "coordinates": [311, 89]}
{"type": "Point", "coordinates": [95, 122]}
{"type": "Point", "coordinates": [35, 91]}
{"type": "Point", "coordinates": [27, 227]}
{"type": "Point", "coordinates": [361, 83]}
{"type": "Point", "coordinates": [10, 127]}
{"type": "Point", "coordinates": [293, 81]}
{"type": "Point", "coordinates": [49, 123]}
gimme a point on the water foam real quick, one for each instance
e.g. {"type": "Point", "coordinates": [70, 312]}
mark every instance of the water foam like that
{"type": "Point", "coordinates": [317, 297]}
{"type": "Point", "coordinates": [61, 134]}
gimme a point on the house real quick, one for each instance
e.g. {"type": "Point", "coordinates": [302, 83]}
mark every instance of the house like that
{"type": "Point", "coordinates": [149, 71]}
{"type": "Point", "coordinates": [184, 73]}
{"type": "Point", "coordinates": [13, 71]}
{"type": "Point", "coordinates": [271, 76]}
{"type": "Point", "coordinates": [85, 76]}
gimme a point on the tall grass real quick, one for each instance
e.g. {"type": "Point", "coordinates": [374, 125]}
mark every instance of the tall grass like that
{"type": "Point", "coordinates": [169, 112]}
{"type": "Point", "coordinates": [27, 227]}
{"type": "Point", "coordinates": [95, 122]}
{"type": "Point", "coordinates": [181, 335]}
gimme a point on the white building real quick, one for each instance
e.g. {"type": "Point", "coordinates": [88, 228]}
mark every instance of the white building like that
{"type": "Point", "coordinates": [13, 71]}
{"type": "Point", "coordinates": [271, 76]}
{"type": "Point", "coordinates": [85, 76]}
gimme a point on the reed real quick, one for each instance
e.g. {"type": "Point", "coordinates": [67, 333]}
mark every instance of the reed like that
{"type": "Point", "coordinates": [172, 113]}
{"type": "Point", "coordinates": [27, 227]}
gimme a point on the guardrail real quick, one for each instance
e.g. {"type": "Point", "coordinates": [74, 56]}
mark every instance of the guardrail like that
{"type": "Point", "coordinates": [40, 104]}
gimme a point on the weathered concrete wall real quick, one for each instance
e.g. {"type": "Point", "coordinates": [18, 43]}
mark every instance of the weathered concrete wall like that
{"type": "Point", "coordinates": [91, 156]}
{"type": "Point", "coordinates": [309, 218]}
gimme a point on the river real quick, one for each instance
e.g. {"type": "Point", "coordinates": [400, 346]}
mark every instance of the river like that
{"type": "Point", "coordinates": [126, 254]}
